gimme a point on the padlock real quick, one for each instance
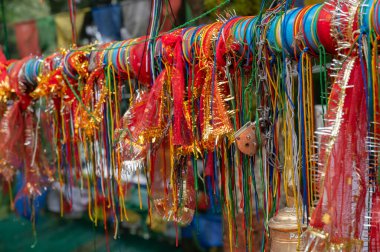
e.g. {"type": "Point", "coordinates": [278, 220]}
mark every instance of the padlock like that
{"type": "Point", "coordinates": [246, 140]}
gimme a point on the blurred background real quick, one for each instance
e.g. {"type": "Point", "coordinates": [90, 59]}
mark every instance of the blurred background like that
{"type": "Point", "coordinates": [43, 26]}
{"type": "Point", "coordinates": [40, 27]}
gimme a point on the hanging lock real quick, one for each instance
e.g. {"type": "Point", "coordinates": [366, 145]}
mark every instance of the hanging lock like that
{"type": "Point", "coordinates": [246, 140]}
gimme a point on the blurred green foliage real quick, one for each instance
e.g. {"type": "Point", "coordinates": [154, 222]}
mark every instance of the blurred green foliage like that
{"type": "Point", "coordinates": [18, 11]}
{"type": "Point", "coordinates": [242, 7]}
{"type": "Point", "coordinates": [42, 11]}
{"type": "Point", "coordinates": [23, 10]}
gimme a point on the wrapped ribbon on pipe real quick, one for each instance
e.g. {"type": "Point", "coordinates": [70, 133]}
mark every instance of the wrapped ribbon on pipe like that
{"type": "Point", "coordinates": [288, 31]}
{"type": "Point", "coordinates": [309, 25]}
{"type": "Point", "coordinates": [274, 34]}
{"type": "Point", "coordinates": [316, 30]}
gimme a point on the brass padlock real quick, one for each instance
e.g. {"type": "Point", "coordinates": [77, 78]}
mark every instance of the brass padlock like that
{"type": "Point", "coordinates": [246, 140]}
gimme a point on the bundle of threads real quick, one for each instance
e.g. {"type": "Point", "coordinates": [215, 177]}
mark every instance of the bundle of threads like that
{"type": "Point", "coordinates": [190, 90]}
